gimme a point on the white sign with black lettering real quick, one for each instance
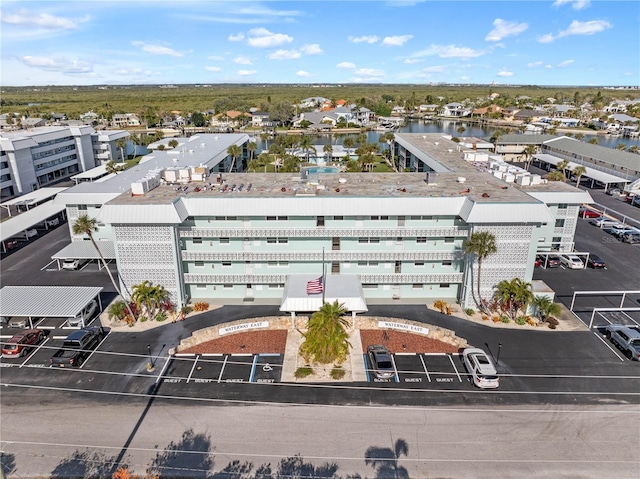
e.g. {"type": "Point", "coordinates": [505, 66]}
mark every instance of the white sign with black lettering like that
{"type": "Point", "coordinates": [243, 327]}
{"type": "Point", "coordinates": [410, 328]}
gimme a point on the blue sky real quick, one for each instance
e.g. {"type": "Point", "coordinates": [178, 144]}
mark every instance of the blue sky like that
{"type": "Point", "coordinates": [555, 42]}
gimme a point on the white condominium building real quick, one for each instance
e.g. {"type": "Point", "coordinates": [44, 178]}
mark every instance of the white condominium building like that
{"type": "Point", "coordinates": [224, 237]}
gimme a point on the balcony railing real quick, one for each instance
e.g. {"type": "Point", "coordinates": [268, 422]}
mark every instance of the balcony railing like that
{"type": "Point", "coordinates": [322, 232]}
{"type": "Point", "coordinates": [317, 256]}
{"type": "Point", "coordinates": [197, 278]}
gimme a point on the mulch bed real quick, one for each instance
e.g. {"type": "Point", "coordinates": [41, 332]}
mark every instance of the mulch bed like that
{"type": "Point", "coordinates": [274, 341]}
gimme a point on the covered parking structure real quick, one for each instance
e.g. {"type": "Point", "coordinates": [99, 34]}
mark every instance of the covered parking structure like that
{"type": "Point", "coordinates": [85, 251]}
{"type": "Point", "coordinates": [591, 172]}
{"type": "Point", "coordinates": [343, 288]}
{"type": "Point", "coordinates": [46, 301]}
{"type": "Point", "coordinates": [99, 173]}
{"type": "Point", "coordinates": [17, 227]}
{"type": "Point", "coordinates": [31, 200]}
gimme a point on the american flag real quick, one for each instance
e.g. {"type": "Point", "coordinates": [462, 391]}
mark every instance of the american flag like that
{"type": "Point", "coordinates": [314, 286]}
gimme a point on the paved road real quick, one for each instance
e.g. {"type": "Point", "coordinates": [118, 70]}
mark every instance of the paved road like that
{"type": "Point", "coordinates": [456, 443]}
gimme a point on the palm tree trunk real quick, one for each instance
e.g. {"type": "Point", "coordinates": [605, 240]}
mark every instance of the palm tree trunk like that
{"type": "Point", "coordinates": [480, 303]}
{"type": "Point", "coordinates": [113, 281]}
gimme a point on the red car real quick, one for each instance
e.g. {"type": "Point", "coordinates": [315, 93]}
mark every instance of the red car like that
{"type": "Point", "coordinates": [587, 213]}
{"type": "Point", "coordinates": [21, 343]}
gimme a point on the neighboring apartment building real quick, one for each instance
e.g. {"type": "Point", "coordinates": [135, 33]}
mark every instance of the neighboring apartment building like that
{"type": "Point", "coordinates": [255, 237]}
{"type": "Point", "coordinates": [31, 159]}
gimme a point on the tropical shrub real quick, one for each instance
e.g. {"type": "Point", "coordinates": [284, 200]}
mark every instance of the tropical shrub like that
{"type": "Point", "coordinates": [338, 372]}
{"type": "Point", "coordinates": [441, 305]}
{"type": "Point", "coordinates": [470, 312]}
{"type": "Point", "coordinates": [521, 320]}
{"type": "Point", "coordinates": [186, 309]}
{"type": "Point", "coordinates": [303, 372]}
{"type": "Point", "coordinates": [161, 316]}
{"type": "Point", "coordinates": [326, 339]}
{"type": "Point", "coordinates": [117, 310]}
{"type": "Point", "coordinates": [201, 306]}
{"type": "Point", "coordinates": [505, 319]}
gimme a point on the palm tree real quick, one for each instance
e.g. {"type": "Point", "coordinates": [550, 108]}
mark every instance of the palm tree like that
{"type": "Point", "coordinates": [234, 151]}
{"type": "Point", "coordinates": [562, 166]}
{"type": "Point", "coordinates": [482, 244]}
{"type": "Point", "coordinates": [265, 137]}
{"type": "Point", "coordinates": [306, 144]}
{"type": "Point", "coordinates": [348, 143]}
{"type": "Point", "coordinates": [328, 151]}
{"type": "Point", "coordinates": [326, 340]}
{"type": "Point", "coordinates": [87, 226]}
{"type": "Point", "coordinates": [136, 141]}
{"type": "Point", "coordinates": [579, 171]}
{"type": "Point", "coordinates": [141, 296]}
{"type": "Point", "coordinates": [385, 460]}
{"type": "Point", "coordinates": [515, 295]}
{"type": "Point", "coordinates": [556, 175]}
{"type": "Point", "coordinates": [545, 307]}
{"type": "Point", "coordinates": [529, 151]}
{"type": "Point", "coordinates": [252, 146]}
{"type": "Point", "coordinates": [111, 167]}
{"type": "Point", "coordinates": [121, 143]}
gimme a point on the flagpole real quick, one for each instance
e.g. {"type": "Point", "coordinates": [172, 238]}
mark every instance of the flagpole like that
{"type": "Point", "coordinates": [324, 286]}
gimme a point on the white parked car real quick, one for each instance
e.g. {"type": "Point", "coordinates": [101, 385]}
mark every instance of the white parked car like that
{"type": "Point", "coordinates": [71, 263]}
{"type": "Point", "coordinates": [83, 317]}
{"type": "Point", "coordinates": [479, 365]}
{"type": "Point", "coordinates": [571, 261]}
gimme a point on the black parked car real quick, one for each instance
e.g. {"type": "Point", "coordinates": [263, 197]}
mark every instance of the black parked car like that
{"type": "Point", "coordinates": [595, 261]}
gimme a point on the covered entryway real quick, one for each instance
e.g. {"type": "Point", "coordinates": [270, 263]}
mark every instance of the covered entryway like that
{"type": "Point", "coordinates": [346, 289]}
{"type": "Point", "coordinates": [46, 301]}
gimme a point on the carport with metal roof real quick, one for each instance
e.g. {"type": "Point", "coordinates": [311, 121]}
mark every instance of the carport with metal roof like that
{"type": "Point", "coordinates": [18, 225]}
{"type": "Point", "coordinates": [84, 250]}
{"type": "Point", "coordinates": [46, 301]}
{"type": "Point", "coordinates": [592, 173]}
{"type": "Point", "coordinates": [32, 199]}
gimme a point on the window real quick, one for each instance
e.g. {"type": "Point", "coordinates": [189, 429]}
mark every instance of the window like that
{"type": "Point", "coordinates": [277, 218]}
{"type": "Point", "coordinates": [272, 240]}
{"type": "Point", "coordinates": [227, 286]}
{"type": "Point", "coordinates": [379, 218]}
{"type": "Point", "coordinates": [419, 263]}
{"type": "Point", "coordinates": [444, 285]}
{"type": "Point", "coordinates": [338, 218]}
{"type": "Point", "coordinates": [367, 263]}
{"type": "Point", "coordinates": [224, 240]}
{"type": "Point", "coordinates": [369, 286]}
{"type": "Point", "coordinates": [197, 240]}
{"type": "Point", "coordinates": [277, 240]}
{"type": "Point", "coordinates": [416, 286]}
{"type": "Point", "coordinates": [226, 264]}
{"type": "Point", "coordinates": [449, 239]}
{"type": "Point", "coordinates": [82, 207]}
{"type": "Point", "coordinates": [199, 264]}
{"type": "Point", "coordinates": [562, 206]}
{"type": "Point", "coordinates": [559, 223]}
{"type": "Point", "coordinates": [447, 263]}
{"type": "Point", "coordinates": [421, 239]}
{"type": "Point", "coordinates": [276, 286]}
{"type": "Point", "coordinates": [368, 240]}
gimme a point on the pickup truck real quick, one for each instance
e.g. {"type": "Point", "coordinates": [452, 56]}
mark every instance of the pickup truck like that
{"type": "Point", "coordinates": [626, 338]}
{"type": "Point", "coordinates": [77, 346]}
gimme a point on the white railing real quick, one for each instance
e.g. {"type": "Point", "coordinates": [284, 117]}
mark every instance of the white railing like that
{"type": "Point", "coordinates": [256, 256]}
{"type": "Point", "coordinates": [322, 232]}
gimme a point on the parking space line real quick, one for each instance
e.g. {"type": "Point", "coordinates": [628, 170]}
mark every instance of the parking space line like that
{"type": "Point", "coordinates": [424, 365]}
{"type": "Point", "coordinates": [164, 368]}
{"type": "Point", "coordinates": [405, 354]}
{"type": "Point", "coordinates": [224, 363]}
{"type": "Point", "coordinates": [92, 352]}
{"type": "Point", "coordinates": [58, 337]}
{"type": "Point", "coordinates": [185, 355]}
{"type": "Point", "coordinates": [366, 367]}
{"type": "Point", "coordinates": [608, 345]}
{"type": "Point", "coordinates": [253, 368]}
{"type": "Point", "coordinates": [212, 355]}
{"type": "Point", "coordinates": [395, 369]}
{"type": "Point", "coordinates": [48, 264]}
{"type": "Point", "coordinates": [454, 367]}
{"type": "Point", "coordinates": [192, 369]}
{"type": "Point", "coordinates": [30, 355]}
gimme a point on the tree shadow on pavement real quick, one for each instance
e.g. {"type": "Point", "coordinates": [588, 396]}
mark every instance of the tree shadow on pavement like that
{"type": "Point", "coordinates": [385, 460]}
{"type": "Point", "coordinates": [86, 464]}
{"type": "Point", "coordinates": [7, 463]}
{"type": "Point", "coordinates": [189, 457]}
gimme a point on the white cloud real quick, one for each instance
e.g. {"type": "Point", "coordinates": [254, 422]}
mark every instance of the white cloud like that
{"type": "Point", "coordinates": [242, 61]}
{"type": "Point", "coordinates": [364, 39]}
{"type": "Point", "coordinates": [245, 73]}
{"type": "Point", "coordinates": [565, 63]}
{"type": "Point", "coordinates": [534, 64]}
{"type": "Point", "coordinates": [236, 38]}
{"type": "Point", "coordinates": [548, 67]}
{"type": "Point", "coordinates": [346, 65]}
{"type": "Point", "coordinates": [216, 57]}
{"type": "Point", "coordinates": [504, 73]}
{"type": "Point", "coordinates": [25, 18]}
{"type": "Point", "coordinates": [369, 72]}
{"type": "Point", "coordinates": [313, 49]}
{"type": "Point", "coordinates": [448, 51]}
{"type": "Point", "coordinates": [263, 38]}
{"type": "Point", "coordinates": [285, 55]}
{"type": "Point", "coordinates": [585, 28]}
{"type": "Point", "coordinates": [503, 29]}
{"type": "Point", "coordinates": [157, 49]}
{"type": "Point", "coordinates": [304, 74]}
{"type": "Point", "coordinates": [397, 40]}
{"type": "Point", "coordinates": [575, 4]}
{"type": "Point", "coordinates": [213, 69]}
{"type": "Point", "coordinates": [578, 28]}
{"type": "Point", "coordinates": [411, 61]}
{"type": "Point", "coordinates": [62, 65]}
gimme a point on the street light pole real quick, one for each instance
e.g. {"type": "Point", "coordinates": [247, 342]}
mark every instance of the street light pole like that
{"type": "Point", "coordinates": [150, 363]}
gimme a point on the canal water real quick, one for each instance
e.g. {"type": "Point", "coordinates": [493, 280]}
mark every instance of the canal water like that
{"type": "Point", "coordinates": [449, 127]}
